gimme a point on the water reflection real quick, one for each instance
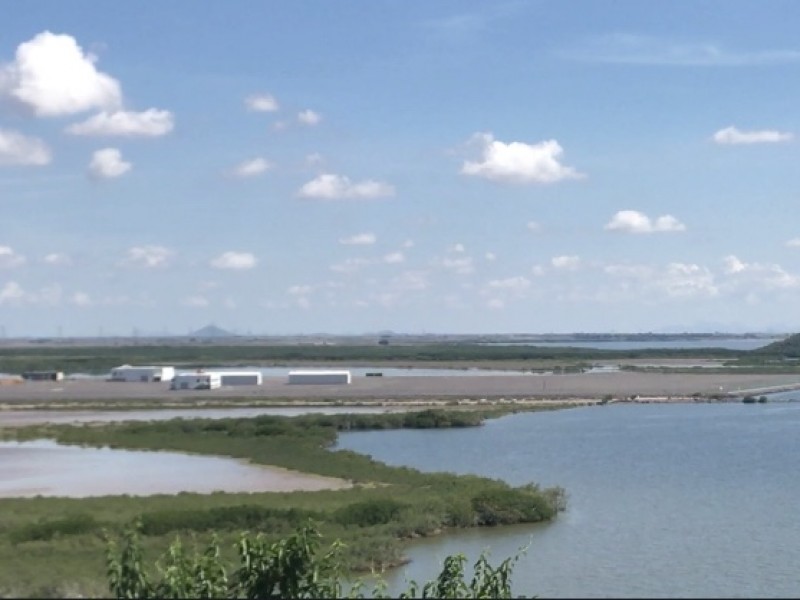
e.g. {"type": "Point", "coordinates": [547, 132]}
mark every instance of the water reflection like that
{"type": "Point", "coordinates": [46, 468]}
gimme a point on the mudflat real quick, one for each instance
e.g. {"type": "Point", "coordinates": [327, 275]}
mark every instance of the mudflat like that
{"type": "Point", "coordinates": [621, 384]}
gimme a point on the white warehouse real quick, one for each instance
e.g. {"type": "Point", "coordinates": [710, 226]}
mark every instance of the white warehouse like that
{"type": "Point", "coordinates": [200, 380]}
{"type": "Point", "coordinates": [129, 373]}
{"type": "Point", "coordinates": [320, 377]}
{"type": "Point", "coordinates": [240, 377]}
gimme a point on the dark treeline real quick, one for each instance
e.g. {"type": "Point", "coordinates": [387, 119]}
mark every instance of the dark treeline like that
{"type": "Point", "coordinates": [101, 359]}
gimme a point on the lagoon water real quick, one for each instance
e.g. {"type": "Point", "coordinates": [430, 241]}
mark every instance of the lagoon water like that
{"type": "Point", "coordinates": [664, 500]}
{"type": "Point", "coordinates": [46, 468]}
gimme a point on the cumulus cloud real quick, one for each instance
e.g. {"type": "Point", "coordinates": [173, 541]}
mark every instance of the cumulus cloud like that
{"type": "Point", "coordinates": [461, 265]}
{"type": "Point", "coordinates": [148, 123]}
{"type": "Point", "coordinates": [81, 299]}
{"type": "Point", "coordinates": [517, 162]}
{"type": "Point", "coordinates": [251, 168]}
{"type": "Point", "coordinates": [309, 117]}
{"type": "Point", "coordinates": [11, 293]}
{"type": "Point", "coordinates": [685, 280]}
{"type": "Point", "coordinates": [394, 258]}
{"type": "Point", "coordinates": [567, 263]}
{"type": "Point", "coordinates": [148, 257]}
{"type": "Point", "coordinates": [731, 135]}
{"type": "Point", "coordinates": [299, 290]}
{"type": "Point", "coordinates": [237, 261]}
{"type": "Point", "coordinates": [457, 248]}
{"type": "Point", "coordinates": [20, 150]}
{"type": "Point", "coordinates": [633, 221]}
{"type": "Point", "coordinates": [261, 103]}
{"type": "Point", "coordinates": [793, 243]}
{"type": "Point", "coordinates": [333, 187]}
{"type": "Point", "coordinates": [108, 164]}
{"type": "Point", "coordinates": [513, 284]}
{"type": "Point", "coordinates": [359, 239]}
{"type": "Point", "coordinates": [769, 275]}
{"type": "Point", "coordinates": [350, 265]}
{"type": "Point", "coordinates": [52, 76]}
{"type": "Point", "coordinates": [57, 259]}
{"type": "Point", "coordinates": [533, 226]}
{"type": "Point", "coordinates": [10, 259]}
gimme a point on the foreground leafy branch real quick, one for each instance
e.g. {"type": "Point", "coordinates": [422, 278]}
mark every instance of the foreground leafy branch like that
{"type": "Point", "coordinates": [292, 567]}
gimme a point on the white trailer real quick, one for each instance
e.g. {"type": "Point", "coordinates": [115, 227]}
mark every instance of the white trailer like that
{"type": "Point", "coordinates": [319, 377]}
{"type": "Point", "coordinates": [201, 380]}
{"type": "Point", "coordinates": [240, 377]}
{"type": "Point", "coordinates": [152, 373]}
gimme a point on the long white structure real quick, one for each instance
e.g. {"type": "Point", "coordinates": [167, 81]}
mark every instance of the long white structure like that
{"type": "Point", "coordinates": [201, 380]}
{"type": "Point", "coordinates": [240, 377]}
{"type": "Point", "coordinates": [152, 373]}
{"type": "Point", "coordinates": [320, 377]}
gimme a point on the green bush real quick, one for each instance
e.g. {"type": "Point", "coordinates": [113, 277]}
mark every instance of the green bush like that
{"type": "Point", "coordinates": [46, 530]}
{"type": "Point", "coordinates": [378, 511]}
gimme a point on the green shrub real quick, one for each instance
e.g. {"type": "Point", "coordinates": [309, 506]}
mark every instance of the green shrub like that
{"type": "Point", "coordinates": [378, 511]}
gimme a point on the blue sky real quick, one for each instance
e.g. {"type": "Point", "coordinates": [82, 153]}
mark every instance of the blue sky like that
{"type": "Point", "coordinates": [351, 167]}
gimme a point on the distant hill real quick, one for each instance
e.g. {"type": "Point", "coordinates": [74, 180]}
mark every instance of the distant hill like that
{"type": "Point", "coordinates": [790, 347]}
{"type": "Point", "coordinates": [212, 331]}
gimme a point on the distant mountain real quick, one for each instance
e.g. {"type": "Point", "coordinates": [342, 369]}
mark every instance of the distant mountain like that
{"type": "Point", "coordinates": [212, 331]}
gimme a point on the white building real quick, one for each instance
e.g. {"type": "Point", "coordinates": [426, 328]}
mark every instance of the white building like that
{"type": "Point", "coordinates": [240, 377]}
{"type": "Point", "coordinates": [129, 373]}
{"type": "Point", "coordinates": [320, 377]}
{"type": "Point", "coordinates": [200, 380]}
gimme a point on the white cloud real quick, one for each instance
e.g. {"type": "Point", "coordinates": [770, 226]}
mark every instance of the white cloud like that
{"type": "Point", "coordinates": [332, 187]}
{"type": "Point", "coordinates": [760, 275]}
{"type": "Point", "coordinates": [686, 280]}
{"type": "Point", "coordinates": [315, 158]}
{"type": "Point", "coordinates": [490, 256]}
{"type": "Point", "coordinates": [461, 265]}
{"type": "Point", "coordinates": [496, 304]}
{"type": "Point", "coordinates": [309, 117]}
{"type": "Point", "coordinates": [299, 290]}
{"type": "Point", "coordinates": [148, 257]}
{"type": "Point", "coordinates": [51, 76]}
{"type": "Point", "coordinates": [20, 150]}
{"type": "Point", "coordinates": [261, 103]}
{"type": "Point", "coordinates": [238, 261]}
{"type": "Point", "coordinates": [633, 49]}
{"type": "Point", "coordinates": [196, 301]}
{"type": "Point", "coordinates": [408, 244]}
{"type": "Point", "coordinates": [513, 284]}
{"type": "Point", "coordinates": [81, 299]}
{"type": "Point", "coordinates": [11, 293]}
{"type": "Point", "coordinates": [633, 221]}
{"type": "Point", "coordinates": [568, 263]}
{"type": "Point", "coordinates": [360, 239]}
{"type": "Point", "coordinates": [731, 135]}
{"type": "Point", "coordinates": [793, 243]}
{"type": "Point", "coordinates": [410, 281]}
{"type": "Point", "coordinates": [57, 259]}
{"type": "Point", "coordinates": [108, 164]}
{"type": "Point", "coordinates": [10, 259]}
{"type": "Point", "coordinates": [394, 258]}
{"type": "Point", "coordinates": [350, 265]}
{"type": "Point", "coordinates": [252, 168]}
{"type": "Point", "coordinates": [517, 162]}
{"type": "Point", "coordinates": [533, 226]}
{"type": "Point", "coordinates": [148, 123]}
{"type": "Point", "coordinates": [457, 248]}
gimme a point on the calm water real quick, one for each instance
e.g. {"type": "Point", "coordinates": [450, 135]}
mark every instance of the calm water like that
{"type": "Point", "coordinates": [46, 468]}
{"type": "Point", "coordinates": [664, 500]}
{"type": "Point", "coordinates": [19, 418]}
